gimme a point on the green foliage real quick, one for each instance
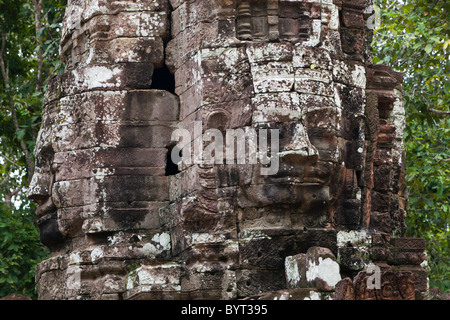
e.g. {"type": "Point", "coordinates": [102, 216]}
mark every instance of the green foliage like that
{"type": "Point", "coordinates": [28, 59]}
{"type": "Point", "coordinates": [414, 39]}
{"type": "Point", "coordinates": [20, 251]}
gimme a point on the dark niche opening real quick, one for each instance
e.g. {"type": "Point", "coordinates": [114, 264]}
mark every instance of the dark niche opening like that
{"type": "Point", "coordinates": [163, 80]}
{"type": "Point", "coordinates": [171, 166]}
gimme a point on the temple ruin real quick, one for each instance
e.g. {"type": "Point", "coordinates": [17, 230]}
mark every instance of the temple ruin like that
{"type": "Point", "coordinates": [123, 220]}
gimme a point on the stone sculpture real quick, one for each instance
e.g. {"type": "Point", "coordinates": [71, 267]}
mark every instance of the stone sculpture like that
{"type": "Point", "coordinates": [123, 221]}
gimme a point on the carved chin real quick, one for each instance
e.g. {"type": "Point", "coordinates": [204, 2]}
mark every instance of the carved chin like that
{"type": "Point", "coordinates": [49, 233]}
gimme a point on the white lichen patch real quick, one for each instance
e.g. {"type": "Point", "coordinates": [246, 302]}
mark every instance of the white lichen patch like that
{"type": "Point", "coordinates": [397, 118]}
{"type": "Point", "coordinates": [326, 269]}
{"type": "Point", "coordinates": [231, 57]}
{"type": "Point", "coordinates": [160, 243]}
{"type": "Point", "coordinates": [118, 239]}
{"type": "Point", "coordinates": [200, 238]}
{"type": "Point", "coordinates": [313, 296]}
{"type": "Point", "coordinates": [96, 254]}
{"type": "Point", "coordinates": [73, 277]}
{"type": "Point", "coordinates": [359, 76]}
{"type": "Point", "coordinates": [356, 238]}
{"type": "Point", "coordinates": [94, 77]}
{"type": "Point", "coordinates": [314, 39]}
{"type": "Point", "coordinates": [249, 235]}
{"type": "Point", "coordinates": [165, 276]}
{"type": "Point", "coordinates": [293, 276]}
{"type": "Point", "coordinates": [333, 18]}
{"type": "Point", "coordinates": [100, 173]}
{"type": "Point", "coordinates": [75, 258]}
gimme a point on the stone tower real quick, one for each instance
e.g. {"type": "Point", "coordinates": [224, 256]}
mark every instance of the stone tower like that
{"type": "Point", "coordinates": [123, 220]}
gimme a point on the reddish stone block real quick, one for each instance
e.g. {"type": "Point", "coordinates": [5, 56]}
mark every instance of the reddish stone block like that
{"type": "Point", "coordinates": [344, 290]}
{"type": "Point", "coordinates": [408, 244]}
{"type": "Point", "coordinates": [353, 18]}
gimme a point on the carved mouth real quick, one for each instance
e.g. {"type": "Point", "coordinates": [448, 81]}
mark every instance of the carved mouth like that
{"type": "Point", "coordinates": [289, 180]}
{"type": "Point", "coordinates": [45, 207]}
{"type": "Point", "coordinates": [299, 181]}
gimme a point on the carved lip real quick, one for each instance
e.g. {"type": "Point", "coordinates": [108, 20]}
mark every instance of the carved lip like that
{"type": "Point", "coordinates": [298, 181]}
{"type": "Point", "coordinates": [291, 180]}
{"type": "Point", "coordinates": [47, 206]}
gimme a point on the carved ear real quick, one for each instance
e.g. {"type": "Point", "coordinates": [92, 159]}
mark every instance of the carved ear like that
{"type": "Point", "coordinates": [218, 119]}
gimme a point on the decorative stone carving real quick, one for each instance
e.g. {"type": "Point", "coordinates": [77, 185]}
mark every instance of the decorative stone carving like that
{"type": "Point", "coordinates": [124, 220]}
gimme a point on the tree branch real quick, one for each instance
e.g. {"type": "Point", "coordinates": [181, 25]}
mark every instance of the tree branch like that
{"type": "Point", "coordinates": [7, 176]}
{"type": "Point", "coordinates": [442, 112]}
{"type": "Point", "coordinates": [8, 159]}
{"type": "Point", "coordinates": [38, 25]}
{"type": "Point", "coordinates": [2, 61]}
{"type": "Point", "coordinates": [9, 196]}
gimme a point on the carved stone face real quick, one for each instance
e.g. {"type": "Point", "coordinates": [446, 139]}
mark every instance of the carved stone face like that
{"type": "Point", "coordinates": [278, 77]}
{"type": "Point", "coordinates": [40, 189]}
{"type": "Point", "coordinates": [265, 65]}
{"type": "Point", "coordinates": [105, 127]}
{"type": "Point", "coordinates": [42, 181]}
{"type": "Point", "coordinates": [291, 84]}
{"type": "Point", "coordinates": [300, 101]}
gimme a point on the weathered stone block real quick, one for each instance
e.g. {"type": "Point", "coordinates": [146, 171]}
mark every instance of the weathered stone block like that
{"type": "Point", "coordinates": [83, 164]}
{"type": "Point", "coordinates": [256, 281]}
{"type": "Point", "coordinates": [317, 268]}
{"type": "Point", "coordinates": [273, 77]}
{"type": "Point", "coordinates": [100, 77]}
{"type": "Point", "coordinates": [380, 221]}
{"type": "Point", "coordinates": [154, 282]}
{"type": "Point", "coordinates": [153, 105]}
{"type": "Point", "coordinates": [145, 135]}
{"type": "Point", "coordinates": [344, 290]}
{"type": "Point", "coordinates": [353, 18]}
{"type": "Point", "coordinates": [199, 282]}
{"type": "Point", "coordinates": [280, 107]}
{"type": "Point", "coordinates": [385, 285]}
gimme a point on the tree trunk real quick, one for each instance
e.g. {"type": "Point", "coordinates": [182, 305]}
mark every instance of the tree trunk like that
{"type": "Point", "coordinates": [38, 24]}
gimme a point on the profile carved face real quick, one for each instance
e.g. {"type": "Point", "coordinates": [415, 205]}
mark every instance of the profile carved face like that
{"type": "Point", "coordinates": [41, 188]}
{"type": "Point", "coordinates": [102, 148]}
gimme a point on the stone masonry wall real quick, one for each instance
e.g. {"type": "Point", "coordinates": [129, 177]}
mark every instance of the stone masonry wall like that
{"type": "Point", "coordinates": [122, 221]}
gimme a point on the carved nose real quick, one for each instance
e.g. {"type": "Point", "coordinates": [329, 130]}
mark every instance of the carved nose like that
{"type": "Point", "coordinates": [40, 187]}
{"type": "Point", "coordinates": [299, 148]}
